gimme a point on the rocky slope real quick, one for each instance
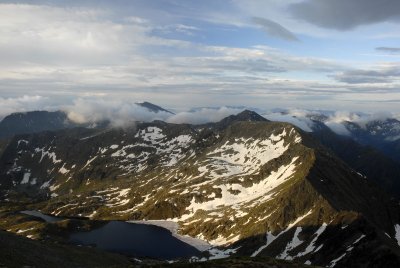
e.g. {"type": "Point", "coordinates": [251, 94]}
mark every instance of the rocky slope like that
{"type": "Point", "coordinates": [253, 187]}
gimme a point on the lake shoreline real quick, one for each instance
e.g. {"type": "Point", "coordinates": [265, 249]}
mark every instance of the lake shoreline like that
{"type": "Point", "coordinates": [173, 227]}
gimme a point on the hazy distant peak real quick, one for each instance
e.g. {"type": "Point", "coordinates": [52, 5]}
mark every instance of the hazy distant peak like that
{"type": "Point", "coordinates": [152, 107]}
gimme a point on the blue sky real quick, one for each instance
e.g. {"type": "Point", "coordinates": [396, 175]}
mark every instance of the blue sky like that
{"type": "Point", "coordinates": [315, 54]}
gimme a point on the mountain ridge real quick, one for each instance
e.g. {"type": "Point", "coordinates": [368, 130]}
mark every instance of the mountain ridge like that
{"type": "Point", "coordinates": [234, 183]}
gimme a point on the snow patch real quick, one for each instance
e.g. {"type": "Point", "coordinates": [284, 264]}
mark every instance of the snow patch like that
{"type": "Point", "coordinates": [397, 235]}
{"type": "Point", "coordinates": [33, 181]}
{"type": "Point", "coordinates": [150, 134]}
{"type": "Point", "coordinates": [50, 155]}
{"type": "Point", "coordinates": [172, 226]}
{"type": "Point", "coordinates": [270, 237]}
{"type": "Point", "coordinates": [26, 230]}
{"type": "Point", "coordinates": [311, 247]}
{"type": "Point", "coordinates": [358, 239]}
{"type": "Point", "coordinates": [335, 261]}
{"type": "Point", "coordinates": [291, 245]}
{"type": "Point", "coordinates": [114, 146]}
{"type": "Point", "coordinates": [63, 170]}
{"type": "Point", "coordinates": [26, 177]}
{"type": "Point", "coordinates": [221, 254]}
{"type": "Point", "coordinates": [245, 194]}
{"type": "Point", "coordinates": [22, 141]}
{"type": "Point", "coordinates": [89, 161]}
{"type": "Point", "coordinates": [45, 184]}
{"type": "Point", "coordinates": [245, 156]}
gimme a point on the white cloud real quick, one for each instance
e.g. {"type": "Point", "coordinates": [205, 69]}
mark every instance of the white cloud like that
{"type": "Point", "coordinates": [203, 115]}
{"type": "Point", "coordinates": [120, 113]}
{"type": "Point", "coordinates": [300, 121]}
{"type": "Point", "coordinates": [123, 112]}
{"type": "Point", "coordinates": [23, 104]}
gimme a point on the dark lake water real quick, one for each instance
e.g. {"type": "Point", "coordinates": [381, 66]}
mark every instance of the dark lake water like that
{"type": "Point", "coordinates": [140, 240]}
{"type": "Point", "coordinates": [135, 239]}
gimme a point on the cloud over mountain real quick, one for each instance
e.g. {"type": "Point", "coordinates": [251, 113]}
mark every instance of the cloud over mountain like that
{"type": "Point", "coordinates": [122, 113]}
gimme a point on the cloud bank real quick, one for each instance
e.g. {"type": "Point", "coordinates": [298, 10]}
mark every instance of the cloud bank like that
{"type": "Point", "coordinates": [292, 117]}
{"type": "Point", "coordinates": [121, 113]}
{"type": "Point", "coordinates": [125, 112]}
{"type": "Point", "coordinates": [118, 113]}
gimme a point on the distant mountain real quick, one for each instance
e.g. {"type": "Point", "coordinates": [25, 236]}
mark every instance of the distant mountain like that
{"type": "Point", "coordinates": [366, 160]}
{"type": "Point", "coordinates": [246, 116]}
{"type": "Point", "coordinates": [381, 134]}
{"type": "Point", "coordinates": [152, 107]}
{"type": "Point", "coordinates": [38, 121]}
{"type": "Point", "coordinates": [248, 185]}
{"type": "Point", "coordinates": [33, 122]}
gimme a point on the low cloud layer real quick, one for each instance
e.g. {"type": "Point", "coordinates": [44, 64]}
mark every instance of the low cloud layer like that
{"type": "Point", "coordinates": [203, 115]}
{"type": "Point", "coordinates": [293, 117]}
{"type": "Point", "coordinates": [332, 119]}
{"type": "Point", "coordinates": [123, 113]}
{"type": "Point", "coordinates": [118, 113]}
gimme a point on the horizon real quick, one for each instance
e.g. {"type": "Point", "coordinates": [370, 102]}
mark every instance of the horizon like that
{"type": "Point", "coordinates": [330, 55]}
{"type": "Point", "coordinates": [127, 116]}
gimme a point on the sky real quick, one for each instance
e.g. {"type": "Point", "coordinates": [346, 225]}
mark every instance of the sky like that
{"type": "Point", "coordinates": [306, 54]}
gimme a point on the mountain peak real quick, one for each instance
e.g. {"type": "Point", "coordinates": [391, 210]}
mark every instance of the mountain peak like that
{"type": "Point", "coordinates": [246, 115]}
{"type": "Point", "coordinates": [152, 107]}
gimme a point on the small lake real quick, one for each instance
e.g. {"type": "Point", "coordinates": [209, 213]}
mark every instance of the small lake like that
{"type": "Point", "coordinates": [140, 240]}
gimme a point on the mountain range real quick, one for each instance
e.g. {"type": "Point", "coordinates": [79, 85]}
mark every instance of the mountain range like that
{"type": "Point", "coordinates": [247, 185]}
